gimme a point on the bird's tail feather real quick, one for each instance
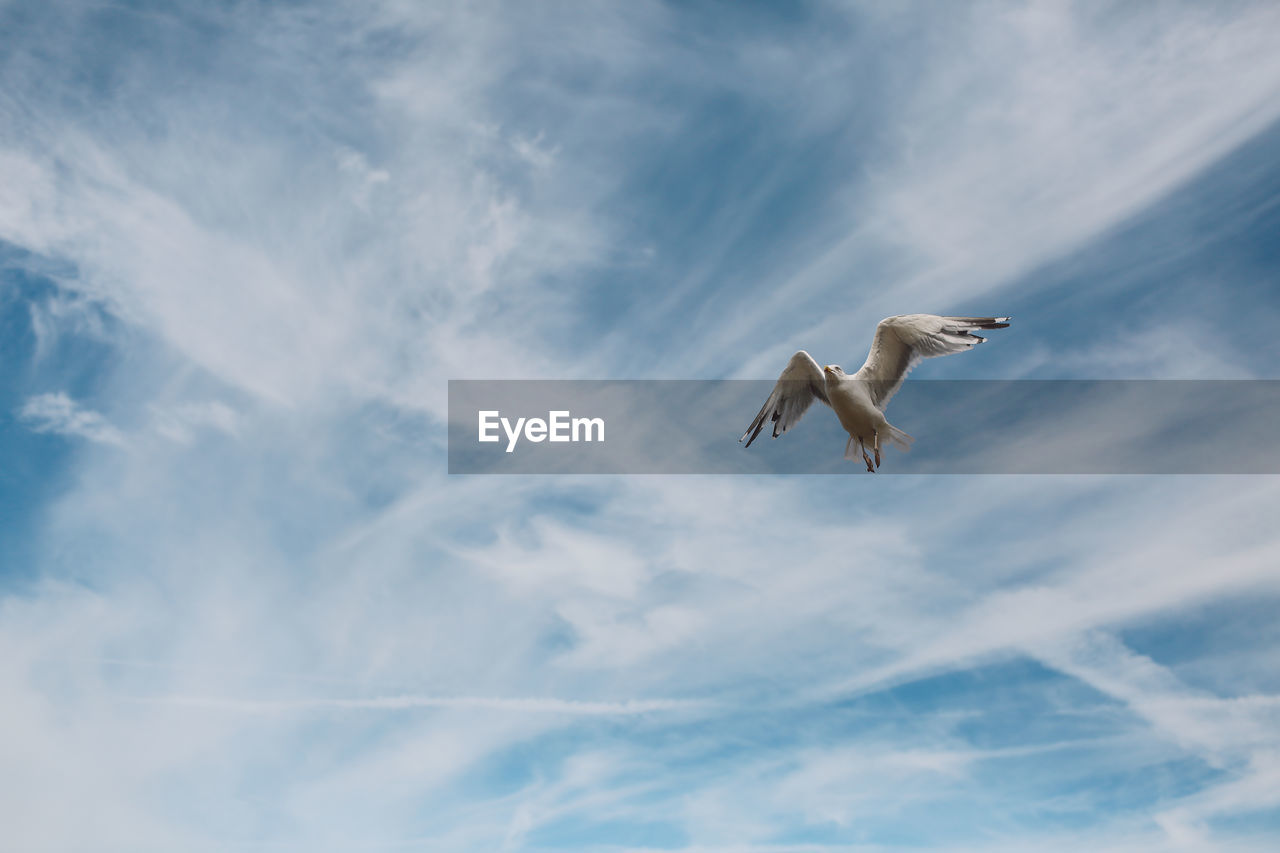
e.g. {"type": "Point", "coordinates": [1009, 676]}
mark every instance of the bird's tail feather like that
{"type": "Point", "coordinates": [898, 438]}
{"type": "Point", "coordinates": [892, 434]}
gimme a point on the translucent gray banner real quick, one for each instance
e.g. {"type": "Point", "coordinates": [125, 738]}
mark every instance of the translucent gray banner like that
{"type": "Point", "coordinates": [960, 427]}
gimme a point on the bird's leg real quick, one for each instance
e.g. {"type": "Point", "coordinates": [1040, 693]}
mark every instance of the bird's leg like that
{"type": "Point", "coordinates": [877, 444]}
{"type": "Point", "coordinates": [865, 457]}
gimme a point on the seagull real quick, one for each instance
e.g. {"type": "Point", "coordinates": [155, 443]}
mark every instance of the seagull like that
{"type": "Point", "coordinates": [859, 400]}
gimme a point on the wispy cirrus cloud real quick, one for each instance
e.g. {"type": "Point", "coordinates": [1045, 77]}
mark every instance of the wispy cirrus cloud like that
{"type": "Point", "coordinates": [528, 705]}
{"type": "Point", "coordinates": [301, 222]}
{"type": "Point", "coordinates": [1025, 132]}
{"type": "Point", "coordinates": [55, 412]}
{"type": "Point", "coordinates": [180, 422]}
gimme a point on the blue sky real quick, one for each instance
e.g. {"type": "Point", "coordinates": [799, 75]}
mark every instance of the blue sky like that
{"type": "Point", "coordinates": [244, 245]}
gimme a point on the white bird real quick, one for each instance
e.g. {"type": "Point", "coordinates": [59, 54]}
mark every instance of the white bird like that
{"type": "Point", "coordinates": [859, 400]}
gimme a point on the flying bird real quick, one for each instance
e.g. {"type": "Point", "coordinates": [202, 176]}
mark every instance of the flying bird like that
{"type": "Point", "coordinates": [859, 400]}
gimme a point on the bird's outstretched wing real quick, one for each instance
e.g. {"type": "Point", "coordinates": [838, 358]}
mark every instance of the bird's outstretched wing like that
{"type": "Point", "coordinates": [902, 341]}
{"type": "Point", "coordinates": [799, 384]}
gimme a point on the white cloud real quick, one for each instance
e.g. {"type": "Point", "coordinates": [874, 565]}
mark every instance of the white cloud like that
{"type": "Point", "coordinates": [522, 705]}
{"type": "Point", "coordinates": [64, 313]}
{"type": "Point", "coordinates": [1234, 733]}
{"type": "Point", "coordinates": [1026, 131]}
{"type": "Point", "coordinates": [180, 422]}
{"type": "Point", "coordinates": [57, 413]}
{"type": "Point", "coordinates": [309, 249]}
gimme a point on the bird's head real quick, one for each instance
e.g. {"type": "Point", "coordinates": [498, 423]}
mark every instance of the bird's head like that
{"type": "Point", "coordinates": [833, 370]}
